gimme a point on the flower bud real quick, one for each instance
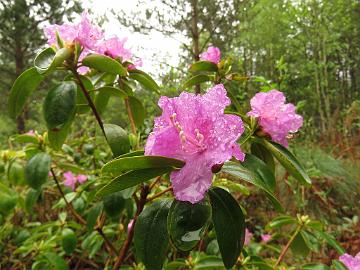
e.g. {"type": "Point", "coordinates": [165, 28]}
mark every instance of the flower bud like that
{"type": "Point", "coordinates": [216, 168]}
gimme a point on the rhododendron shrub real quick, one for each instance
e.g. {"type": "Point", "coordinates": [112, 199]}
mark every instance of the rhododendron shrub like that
{"type": "Point", "coordinates": [128, 191]}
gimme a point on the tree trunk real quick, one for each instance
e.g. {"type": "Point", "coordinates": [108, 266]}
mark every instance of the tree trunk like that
{"type": "Point", "coordinates": [19, 67]}
{"type": "Point", "coordinates": [195, 36]}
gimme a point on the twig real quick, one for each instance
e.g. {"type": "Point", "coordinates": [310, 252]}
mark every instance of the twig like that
{"type": "Point", "coordinates": [155, 182]}
{"type": "Point", "coordinates": [159, 194]}
{"type": "Point", "coordinates": [286, 248]}
{"type": "Point", "coordinates": [108, 243]}
{"type": "Point", "coordinates": [90, 102]}
{"type": "Point", "coordinates": [69, 205]}
{"type": "Point", "coordinates": [131, 117]}
{"type": "Point", "coordinates": [78, 217]}
{"type": "Point", "coordinates": [99, 229]}
{"type": "Point", "coordinates": [126, 245]}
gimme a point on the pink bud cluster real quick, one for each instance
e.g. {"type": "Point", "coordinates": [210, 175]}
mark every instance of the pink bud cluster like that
{"type": "Point", "coordinates": [212, 54]}
{"type": "Point", "coordinates": [70, 180]}
{"type": "Point", "coordinates": [352, 263]}
{"type": "Point", "coordinates": [92, 40]}
{"type": "Point", "coordinates": [277, 118]}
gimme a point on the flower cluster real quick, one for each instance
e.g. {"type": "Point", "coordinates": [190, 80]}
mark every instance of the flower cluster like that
{"type": "Point", "coordinates": [195, 129]}
{"type": "Point", "coordinates": [91, 38]}
{"type": "Point", "coordinates": [275, 117]}
{"type": "Point", "coordinates": [352, 263]}
{"type": "Point", "coordinates": [212, 54]}
{"type": "Point", "coordinates": [71, 180]}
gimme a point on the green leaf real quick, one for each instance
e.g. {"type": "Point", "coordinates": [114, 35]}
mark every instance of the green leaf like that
{"type": "Point", "coordinates": [177, 264]}
{"type": "Point", "coordinates": [237, 77]}
{"type": "Point", "coordinates": [281, 221]}
{"type": "Point", "coordinates": [261, 152]}
{"type": "Point", "coordinates": [137, 110]}
{"type": "Point", "coordinates": [117, 138]}
{"type": "Point", "coordinates": [16, 173]}
{"type": "Point", "coordinates": [256, 165]}
{"type": "Point", "coordinates": [132, 154]}
{"type": "Point", "coordinates": [101, 101]}
{"type": "Point", "coordinates": [81, 101]}
{"type": "Point", "coordinates": [57, 137]}
{"type": "Point", "coordinates": [37, 170]}
{"type": "Point", "coordinates": [316, 225]}
{"type": "Point", "coordinates": [112, 91]}
{"type": "Point", "coordinates": [130, 179]}
{"type": "Point", "coordinates": [229, 224]}
{"type": "Point", "coordinates": [209, 263]}
{"type": "Point", "coordinates": [186, 223]}
{"type": "Point", "coordinates": [239, 171]}
{"type": "Point", "coordinates": [25, 138]}
{"type": "Point", "coordinates": [60, 105]}
{"type": "Point", "coordinates": [203, 66]}
{"type": "Point", "coordinates": [104, 94]}
{"type": "Point", "coordinates": [259, 263]}
{"type": "Point", "coordinates": [104, 64]}
{"type": "Point", "coordinates": [49, 59]}
{"type": "Point", "coordinates": [231, 186]}
{"type": "Point", "coordinates": [68, 240]}
{"type": "Point", "coordinates": [315, 266]}
{"type": "Point", "coordinates": [151, 238]}
{"type": "Point", "coordinates": [145, 80]}
{"type": "Point", "coordinates": [123, 164]}
{"type": "Point", "coordinates": [8, 201]}
{"type": "Point", "coordinates": [197, 79]}
{"type": "Point", "coordinates": [288, 160]}
{"type": "Point", "coordinates": [24, 85]}
{"type": "Point", "coordinates": [331, 241]}
{"type": "Point", "coordinates": [299, 245]}
{"type": "Point", "coordinates": [338, 265]}
{"type": "Point", "coordinates": [31, 199]}
{"type": "Point", "coordinates": [92, 215]}
{"type": "Point", "coordinates": [56, 261]}
{"type": "Point", "coordinates": [114, 204]}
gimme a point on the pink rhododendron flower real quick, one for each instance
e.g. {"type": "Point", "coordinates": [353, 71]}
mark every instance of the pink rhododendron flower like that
{"type": "Point", "coordinates": [212, 55]}
{"type": "Point", "coordinates": [248, 237]}
{"type": "Point", "coordinates": [352, 263]}
{"type": "Point", "coordinates": [137, 63]}
{"type": "Point", "coordinates": [85, 33]}
{"type": "Point", "coordinates": [67, 32]}
{"type": "Point", "coordinates": [88, 34]}
{"type": "Point", "coordinates": [265, 238]}
{"type": "Point", "coordinates": [30, 132]}
{"type": "Point", "coordinates": [71, 180]}
{"type": "Point", "coordinates": [195, 129]}
{"type": "Point", "coordinates": [275, 117]}
{"type": "Point", "coordinates": [83, 69]}
{"type": "Point", "coordinates": [114, 47]}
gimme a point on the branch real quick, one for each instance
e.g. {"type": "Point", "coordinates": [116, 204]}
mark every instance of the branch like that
{"type": "Point", "coordinates": [286, 248]}
{"type": "Point", "coordinates": [69, 206]}
{"type": "Point", "coordinates": [90, 102]}
{"type": "Point", "coordinates": [126, 245]}
{"type": "Point", "coordinates": [159, 194]}
{"type": "Point", "coordinates": [77, 216]}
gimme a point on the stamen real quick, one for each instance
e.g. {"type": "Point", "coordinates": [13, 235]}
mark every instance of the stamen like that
{"type": "Point", "coordinates": [199, 136]}
{"type": "Point", "coordinates": [182, 136]}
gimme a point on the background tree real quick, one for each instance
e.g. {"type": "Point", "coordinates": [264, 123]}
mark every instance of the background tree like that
{"type": "Point", "coordinates": [197, 23]}
{"type": "Point", "coordinates": [21, 35]}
